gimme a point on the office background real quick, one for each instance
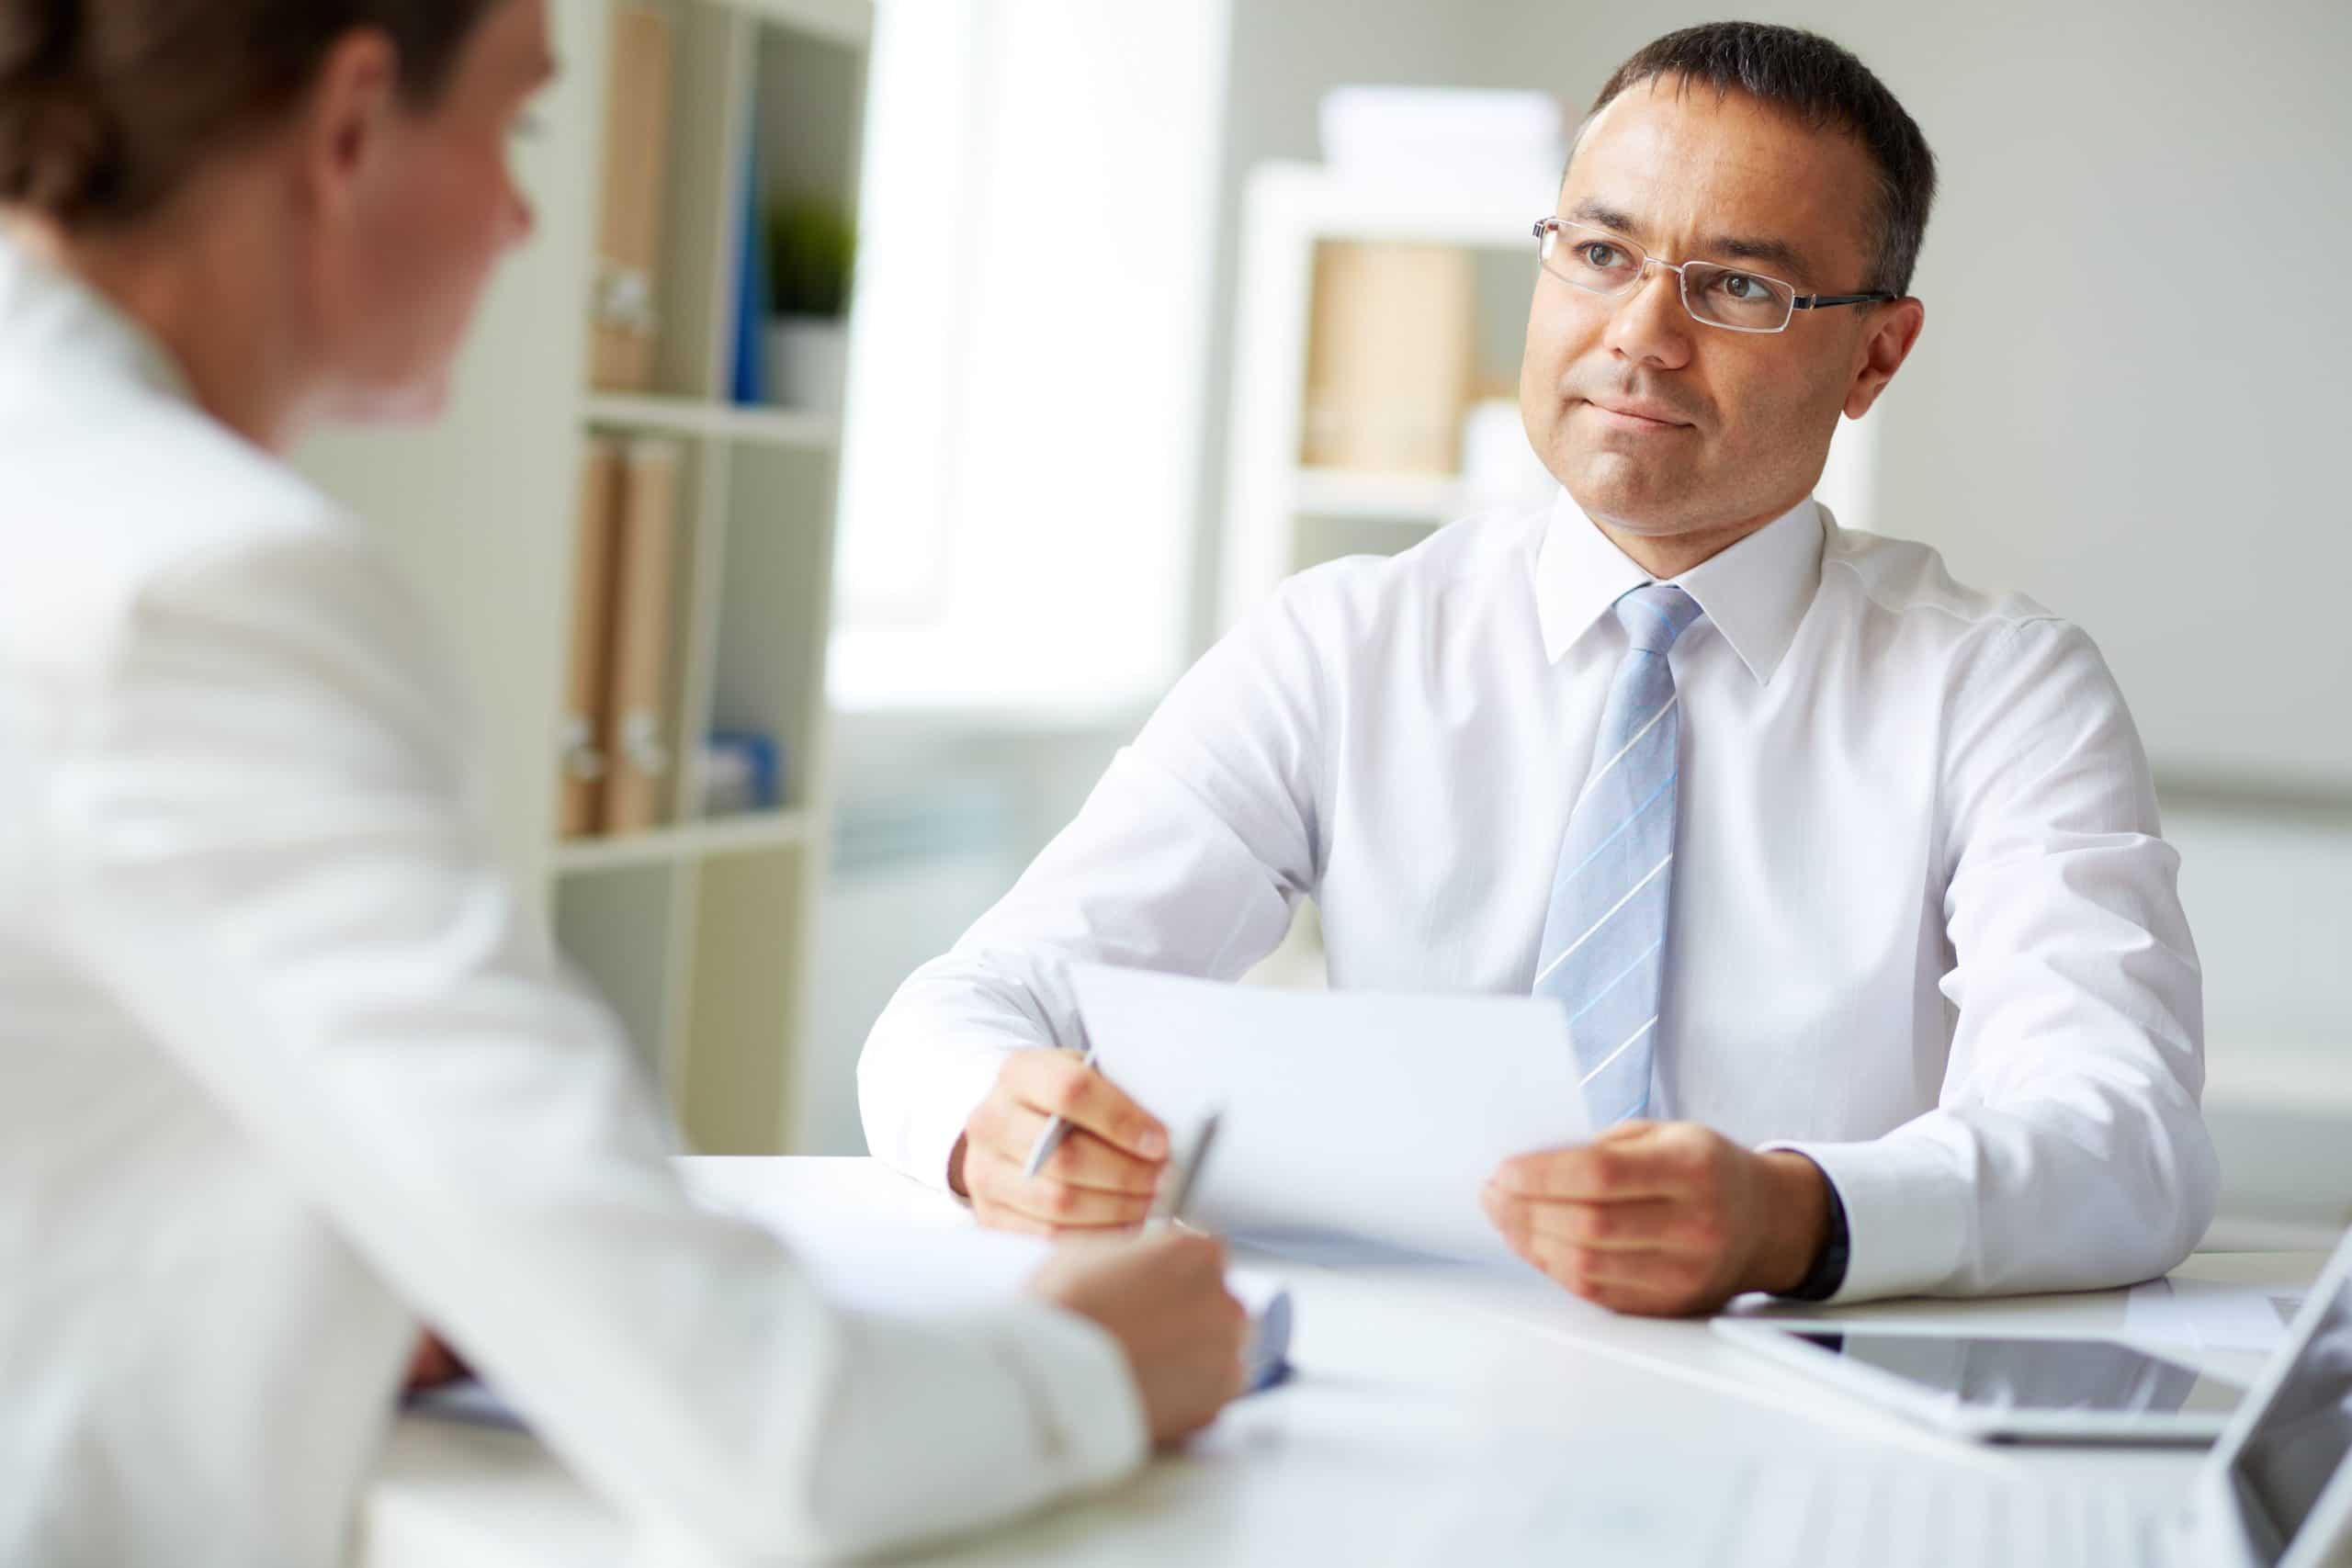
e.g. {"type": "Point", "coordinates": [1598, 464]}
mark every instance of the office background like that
{"type": "Point", "coordinates": [2128, 403]}
{"type": "Point", "coordinates": [2125, 404]}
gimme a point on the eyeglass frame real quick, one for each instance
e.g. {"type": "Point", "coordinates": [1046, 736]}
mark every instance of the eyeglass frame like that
{"type": "Point", "coordinates": [1681, 280]}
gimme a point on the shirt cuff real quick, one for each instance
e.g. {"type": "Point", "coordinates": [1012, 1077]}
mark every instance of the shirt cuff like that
{"type": "Point", "coordinates": [953, 1084]}
{"type": "Point", "coordinates": [1081, 1377]}
{"type": "Point", "coordinates": [1906, 1218]}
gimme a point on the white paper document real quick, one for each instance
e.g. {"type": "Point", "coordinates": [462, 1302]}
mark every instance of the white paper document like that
{"type": "Point", "coordinates": [875, 1242]}
{"type": "Point", "coordinates": [1346, 1114]}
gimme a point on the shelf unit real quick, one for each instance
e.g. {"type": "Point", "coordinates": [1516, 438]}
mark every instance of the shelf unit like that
{"type": "Point", "coordinates": [1283, 516]}
{"type": "Point", "coordinates": [699, 930]}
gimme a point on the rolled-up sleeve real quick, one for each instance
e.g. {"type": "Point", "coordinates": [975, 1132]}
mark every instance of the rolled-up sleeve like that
{"type": "Point", "coordinates": [2067, 1149]}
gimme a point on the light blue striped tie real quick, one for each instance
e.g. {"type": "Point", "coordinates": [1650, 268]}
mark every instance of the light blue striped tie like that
{"type": "Point", "coordinates": [1604, 941]}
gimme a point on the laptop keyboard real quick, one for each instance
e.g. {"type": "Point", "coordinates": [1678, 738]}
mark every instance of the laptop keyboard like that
{"type": "Point", "coordinates": [1813, 1516]}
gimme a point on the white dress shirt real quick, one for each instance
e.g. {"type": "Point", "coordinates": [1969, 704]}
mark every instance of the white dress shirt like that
{"type": "Point", "coordinates": [1923, 927]}
{"type": "Point", "coordinates": [285, 1065]}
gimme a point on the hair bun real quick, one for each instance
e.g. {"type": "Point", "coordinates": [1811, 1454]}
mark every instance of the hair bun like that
{"type": "Point", "coordinates": [55, 140]}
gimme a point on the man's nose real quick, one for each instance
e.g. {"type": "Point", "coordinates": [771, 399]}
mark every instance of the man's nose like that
{"type": "Point", "coordinates": [1649, 323]}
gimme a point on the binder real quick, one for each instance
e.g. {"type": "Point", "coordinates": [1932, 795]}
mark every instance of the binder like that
{"type": "Point", "coordinates": [637, 719]}
{"type": "Point", "coordinates": [582, 763]}
{"type": "Point", "coordinates": [1389, 356]}
{"type": "Point", "coordinates": [625, 321]}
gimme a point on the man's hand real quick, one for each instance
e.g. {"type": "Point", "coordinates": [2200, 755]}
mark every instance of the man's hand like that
{"type": "Point", "coordinates": [431, 1364]}
{"type": "Point", "coordinates": [1663, 1218]}
{"type": "Point", "coordinates": [1103, 1177]}
{"type": "Point", "coordinates": [1163, 1299]}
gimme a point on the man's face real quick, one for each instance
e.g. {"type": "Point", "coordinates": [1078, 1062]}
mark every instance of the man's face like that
{"type": "Point", "coordinates": [1654, 421]}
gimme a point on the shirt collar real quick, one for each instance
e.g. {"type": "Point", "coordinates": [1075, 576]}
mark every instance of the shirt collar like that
{"type": "Point", "coordinates": [1755, 592]}
{"type": "Point", "coordinates": [54, 317]}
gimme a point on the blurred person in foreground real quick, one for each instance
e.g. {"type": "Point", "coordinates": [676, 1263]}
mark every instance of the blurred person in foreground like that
{"type": "Point", "coordinates": [285, 1065]}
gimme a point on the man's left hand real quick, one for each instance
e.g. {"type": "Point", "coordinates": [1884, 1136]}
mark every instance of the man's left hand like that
{"type": "Point", "coordinates": [1662, 1218]}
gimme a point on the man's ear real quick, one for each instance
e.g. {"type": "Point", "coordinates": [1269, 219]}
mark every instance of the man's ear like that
{"type": "Point", "coordinates": [1884, 346]}
{"type": "Point", "coordinates": [345, 117]}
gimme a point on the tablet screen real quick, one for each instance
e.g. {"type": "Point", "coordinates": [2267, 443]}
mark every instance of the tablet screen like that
{"type": "Point", "coordinates": [2090, 1376]}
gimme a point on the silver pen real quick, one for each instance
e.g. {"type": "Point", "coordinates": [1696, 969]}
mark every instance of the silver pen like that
{"type": "Point", "coordinates": [1057, 1129]}
{"type": "Point", "coordinates": [1167, 1206]}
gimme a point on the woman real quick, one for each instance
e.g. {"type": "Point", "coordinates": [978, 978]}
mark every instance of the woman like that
{"type": "Point", "coordinates": [284, 1065]}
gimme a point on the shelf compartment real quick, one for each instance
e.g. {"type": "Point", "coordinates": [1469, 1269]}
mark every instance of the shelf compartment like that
{"type": "Point", "coordinates": [769, 671]}
{"type": "Point", "coordinates": [748, 978]}
{"type": "Point", "coordinates": [713, 836]}
{"type": "Point", "coordinates": [793, 428]}
{"type": "Point", "coordinates": [620, 930]}
{"type": "Point", "coordinates": [1369, 496]}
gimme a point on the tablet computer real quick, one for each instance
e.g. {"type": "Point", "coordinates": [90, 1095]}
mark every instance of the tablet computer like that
{"type": "Point", "coordinates": [2005, 1387]}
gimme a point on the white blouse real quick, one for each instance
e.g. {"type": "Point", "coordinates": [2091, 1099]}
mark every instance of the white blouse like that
{"type": "Point", "coordinates": [285, 1065]}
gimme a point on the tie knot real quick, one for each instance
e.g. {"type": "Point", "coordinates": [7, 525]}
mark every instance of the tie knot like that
{"type": "Point", "coordinates": [1656, 613]}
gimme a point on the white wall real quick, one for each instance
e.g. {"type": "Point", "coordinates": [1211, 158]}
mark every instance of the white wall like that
{"type": "Point", "coordinates": [2130, 395]}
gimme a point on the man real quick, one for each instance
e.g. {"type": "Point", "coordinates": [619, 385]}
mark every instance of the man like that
{"type": "Point", "coordinates": [1846, 875]}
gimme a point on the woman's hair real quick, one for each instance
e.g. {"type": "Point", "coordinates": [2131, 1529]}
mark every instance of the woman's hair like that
{"type": "Point", "coordinates": [108, 106]}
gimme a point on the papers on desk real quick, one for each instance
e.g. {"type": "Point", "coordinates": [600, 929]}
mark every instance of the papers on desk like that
{"type": "Point", "coordinates": [2210, 1315]}
{"type": "Point", "coordinates": [876, 1243]}
{"type": "Point", "coordinates": [916, 1253]}
{"type": "Point", "coordinates": [1350, 1114]}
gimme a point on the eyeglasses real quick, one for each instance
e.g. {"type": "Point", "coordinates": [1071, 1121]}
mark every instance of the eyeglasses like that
{"type": "Point", "coordinates": [1600, 263]}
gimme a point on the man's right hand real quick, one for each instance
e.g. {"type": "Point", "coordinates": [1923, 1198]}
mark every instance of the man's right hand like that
{"type": "Point", "coordinates": [1163, 1299]}
{"type": "Point", "coordinates": [1103, 1177]}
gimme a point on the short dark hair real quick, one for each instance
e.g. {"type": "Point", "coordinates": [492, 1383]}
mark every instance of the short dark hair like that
{"type": "Point", "coordinates": [1822, 84]}
{"type": "Point", "coordinates": [108, 106]}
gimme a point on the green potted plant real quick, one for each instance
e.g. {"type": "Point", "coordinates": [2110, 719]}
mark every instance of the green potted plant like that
{"type": "Point", "coordinates": [812, 250]}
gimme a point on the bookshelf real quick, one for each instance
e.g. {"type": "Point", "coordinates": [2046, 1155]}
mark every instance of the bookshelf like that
{"type": "Point", "coordinates": [697, 928]}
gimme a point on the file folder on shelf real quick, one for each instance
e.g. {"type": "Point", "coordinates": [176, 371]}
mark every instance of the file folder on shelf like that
{"type": "Point", "coordinates": [624, 317]}
{"type": "Point", "coordinates": [636, 743]}
{"type": "Point", "coordinates": [582, 765]}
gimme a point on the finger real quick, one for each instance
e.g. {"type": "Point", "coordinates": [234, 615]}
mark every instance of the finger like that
{"type": "Point", "coordinates": [1085, 1160]}
{"type": "Point", "coordinates": [1650, 1283]}
{"type": "Point", "coordinates": [1054, 1205]}
{"type": "Point", "coordinates": [1633, 1224]}
{"type": "Point", "coordinates": [1059, 1084]}
{"type": "Point", "coordinates": [1082, 1159]}
{"type": "Point", "coordinates": [1597, 1172]}
{"type": "Point", "coordinates": [1005, 1126]}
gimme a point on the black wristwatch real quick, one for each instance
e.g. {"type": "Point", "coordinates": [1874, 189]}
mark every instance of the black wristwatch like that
{"type": "Point", "coordinates": [1828, 1271]}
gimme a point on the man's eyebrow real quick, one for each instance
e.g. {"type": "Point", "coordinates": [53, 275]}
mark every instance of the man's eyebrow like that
{"type": "Point", "coordinates": [1601, 213]}
{"type": "Point", "coordinates": [1775, 252]}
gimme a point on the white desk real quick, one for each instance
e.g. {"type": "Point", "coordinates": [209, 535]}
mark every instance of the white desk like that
{"type": "Point", "coordinates": [1427, 1405]}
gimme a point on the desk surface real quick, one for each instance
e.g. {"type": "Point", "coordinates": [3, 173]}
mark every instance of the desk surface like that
{"type": "Point", "coordinates": [1424, 1399]}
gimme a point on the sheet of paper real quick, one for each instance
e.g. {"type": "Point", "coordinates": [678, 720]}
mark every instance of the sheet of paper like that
{"type": "Point", "coordinates": [878, 1242]}
{"type": "Point", "coordinates": [2210, 1315]}
{"type": "Point", "coordinates": [882, 1249]}
{"type": "Point", "coordinates": [1354, 1114]}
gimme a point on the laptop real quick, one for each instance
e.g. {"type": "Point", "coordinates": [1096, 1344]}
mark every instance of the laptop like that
{"type": "Point", "coordinates": [2274, 1491]}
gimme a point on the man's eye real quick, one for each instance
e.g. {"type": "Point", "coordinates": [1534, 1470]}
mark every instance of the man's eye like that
{"type": "Point", "coordinates": [1739, 286]}
{"type": "Point", "coordinates": [1601, 255]}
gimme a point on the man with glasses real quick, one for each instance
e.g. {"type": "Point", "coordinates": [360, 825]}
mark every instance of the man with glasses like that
{"type": "Point", "coordinates": [1846, 876]}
